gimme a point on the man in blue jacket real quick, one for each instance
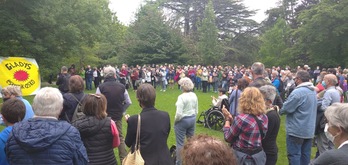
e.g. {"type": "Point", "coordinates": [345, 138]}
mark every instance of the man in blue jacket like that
{"type": "Point", "coordinates": [44, 139]}
{"type": "Point", "coordinates": [301, 110]}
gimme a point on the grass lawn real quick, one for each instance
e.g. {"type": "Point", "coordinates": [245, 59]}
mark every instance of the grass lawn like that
{"type": "Point", "coordinates": [166, 101]}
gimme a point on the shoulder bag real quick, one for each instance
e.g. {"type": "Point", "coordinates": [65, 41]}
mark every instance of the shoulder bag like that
{"type": "Point", "coordinates": [135, 158]}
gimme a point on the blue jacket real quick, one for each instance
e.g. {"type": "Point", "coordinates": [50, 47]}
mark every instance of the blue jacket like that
{"type": "Point", "coordinates": [3, 138]}
{"type": "Point", "coordinates": [232, 100]}
{"type": "Point", "coordinates": [301, 111]}
{"type": "Point", "coordinates": [28, 109]}
{"type": "Point", "coordinates": [45, 141]}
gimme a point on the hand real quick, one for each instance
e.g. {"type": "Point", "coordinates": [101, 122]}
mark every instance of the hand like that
{"type": "Point", "coordinates": [226, 113]}
{"type": "Point", "coordinates": [126, 117]}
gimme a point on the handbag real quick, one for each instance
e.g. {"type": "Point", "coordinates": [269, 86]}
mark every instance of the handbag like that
{"type": "Point", "coordinates": [135, 158]}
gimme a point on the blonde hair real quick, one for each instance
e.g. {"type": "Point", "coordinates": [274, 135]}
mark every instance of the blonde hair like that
{"type": "Point", "coordinates": [251, 102]}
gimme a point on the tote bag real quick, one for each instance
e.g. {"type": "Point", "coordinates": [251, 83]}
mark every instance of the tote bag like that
{"type": "Point", "coordinates": [135, 158]}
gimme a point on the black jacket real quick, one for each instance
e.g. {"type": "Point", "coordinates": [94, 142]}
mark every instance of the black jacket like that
{"type": "Point", "coordinates": [69, 105]}
{"type": "Point", "coordinates": [155, 128]}
{"type": "Point", "coordinates": [114, 93]}
{"type": "Point", "coordinates": [63, 82]}
{"type": "Point", "coordinates": [97, 138]}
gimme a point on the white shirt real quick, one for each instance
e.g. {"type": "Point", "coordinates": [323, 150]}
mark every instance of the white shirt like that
{"type": "Point", "coordinates": [186, 105]}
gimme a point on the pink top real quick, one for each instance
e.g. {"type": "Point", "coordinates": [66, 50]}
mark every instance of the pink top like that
{"type": "Point", "coordinates": [116, 140]}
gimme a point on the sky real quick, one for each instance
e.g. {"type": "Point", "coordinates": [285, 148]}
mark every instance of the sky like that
{"type": "Point", "coordinates": [126, 9]}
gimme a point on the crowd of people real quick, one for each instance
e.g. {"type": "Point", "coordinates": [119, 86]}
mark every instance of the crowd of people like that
{"type": "Point", "coordinates": [311, 100]}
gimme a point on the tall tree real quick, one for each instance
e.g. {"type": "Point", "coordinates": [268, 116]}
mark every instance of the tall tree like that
{"type": "Point", "coordinates": [274, 44]}
{"type": "Point", "coordinates": [151, 40]}
{"type": "Point", "coordinates": [208, 43]}
{"type": "Point", "coordinates": [231, 15]}
{"type": "Point", "coordinates": [323, 34]}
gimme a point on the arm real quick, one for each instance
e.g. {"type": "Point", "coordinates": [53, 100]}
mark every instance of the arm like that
{"type": "Point", "coordinates": [79, 151]}
{"type": "Point", "coordinates": [59, 80]}
{"type": "Point", "coordinates": [326, 101]}
{"type": "Point", "coordinates": [179, 109]}
{"type": "Point", "coordinates": [131, 131]}
{"type": "Point", "coordinates": [290, 105]}
{"type": "Point", "coordinates": [127, 101]}
{"type": "Point", "coordinates": [115, 134]}
{"type": "Point", "coordinates": [233, 131]}
{"type": "Point", "coordinates": [214, 101]}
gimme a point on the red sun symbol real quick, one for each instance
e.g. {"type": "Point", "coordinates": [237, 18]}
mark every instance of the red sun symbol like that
{"type": "Point", "coordinates": [21, 75]}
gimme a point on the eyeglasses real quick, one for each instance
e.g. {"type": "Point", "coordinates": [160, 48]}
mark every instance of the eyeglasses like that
{"type": "Point", "coordinates": [97, 96]}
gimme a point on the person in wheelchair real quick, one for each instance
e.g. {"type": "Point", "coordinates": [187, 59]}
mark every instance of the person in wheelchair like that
{"type": "Point", "coordinates": [213, 117]}
{"type": "Point", "coordinates": [217, 101]}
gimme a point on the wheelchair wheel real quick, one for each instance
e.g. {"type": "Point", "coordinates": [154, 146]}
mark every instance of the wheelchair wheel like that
{"type": "Point", "coordinates": [215, 120]}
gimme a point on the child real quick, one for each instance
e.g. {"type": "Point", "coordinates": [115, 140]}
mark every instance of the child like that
{"type": "Point", "coordinates": [12, 111]}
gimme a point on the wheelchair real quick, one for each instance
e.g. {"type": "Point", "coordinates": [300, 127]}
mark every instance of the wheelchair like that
{"type": "Point", "coordinates": [213, 118]}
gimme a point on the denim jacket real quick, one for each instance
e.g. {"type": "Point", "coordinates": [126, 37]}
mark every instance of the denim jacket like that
{"type": "Point", "coordinates": [301, 110]}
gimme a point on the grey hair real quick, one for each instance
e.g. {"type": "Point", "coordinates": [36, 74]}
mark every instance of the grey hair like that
{"type": "Point", "coordinates": [303, 75]}
{"type": "Point", "coordinates": [48, 102]}
{"type": "Point", "coordinates": [186, 84]}
{"type": "Point", "coordinates": [337, 115]}
{"type": "Point", "coordinates": [64, 69]}
{"type": "Point", "coordinates": [109, 71]}
{"type": "Point", "coordinates": [12, 90]}
{"type": "Point", "coordinates": [258, 68]}
{"type": "Point", "coordinates": [275, 73]}
{"type": "Point", "coordinates": [268, 92]}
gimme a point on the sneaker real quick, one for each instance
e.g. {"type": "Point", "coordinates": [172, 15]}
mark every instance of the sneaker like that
{"type": "Point", "coordinates": [164, 90]}
{"type": "Point", "coordinates": [161, 90]}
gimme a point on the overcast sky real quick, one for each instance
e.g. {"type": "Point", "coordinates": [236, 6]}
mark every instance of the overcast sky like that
{"type": "Point", "coordinates": [125, 9]}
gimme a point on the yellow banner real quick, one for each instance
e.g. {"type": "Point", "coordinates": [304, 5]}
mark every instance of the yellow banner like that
{"type": "Point", "coordinates": [20, 71]}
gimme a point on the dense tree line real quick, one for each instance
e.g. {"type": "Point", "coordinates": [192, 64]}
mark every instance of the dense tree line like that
{"type": "Point", "coordinates": [59, 32]}
{"type": "Point", "coordinates": [63, 32]}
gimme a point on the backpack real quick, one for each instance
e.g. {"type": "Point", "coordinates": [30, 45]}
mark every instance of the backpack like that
{"type": "Point", "coordinates": [78, 114]}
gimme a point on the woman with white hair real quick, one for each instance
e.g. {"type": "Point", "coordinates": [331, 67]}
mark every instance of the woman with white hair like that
{"type": "Point", "coordinates": [34, 141]}
{"type": "Point", "coordinates": [269, 143]}
{"type": "Point", "coordinates": [185, 117]}
{"type": "Point", "coordinates": [13, 91]}
{"type": "Point", "coordinates": [336, 131]}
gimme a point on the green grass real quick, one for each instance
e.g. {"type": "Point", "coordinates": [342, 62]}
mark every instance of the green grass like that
{"type": "Point", "coordinates": [166, 101]}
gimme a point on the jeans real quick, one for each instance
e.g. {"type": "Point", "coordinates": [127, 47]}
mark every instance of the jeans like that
{"type": "Point", "coordinates": [224, 85]}
{"type": "Point", "coordinates": [198, 83]}
{"type": "Point", "coordinates": [204, 84]}
{"type": "Point", "coordinates": [164, 84]}
{"type": "Point", "coordinates": [299, 150]}
{"type": "Point", "coordinates": [89, 83]}
{"type": "Point", "coordinates": [185, 127]}
{"type": "Point", "coordinates": [209, 84]}
{"type": "Point", "coordinates": [122, 152]}
{"type": "Point", "coordinates": [215, 86]}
